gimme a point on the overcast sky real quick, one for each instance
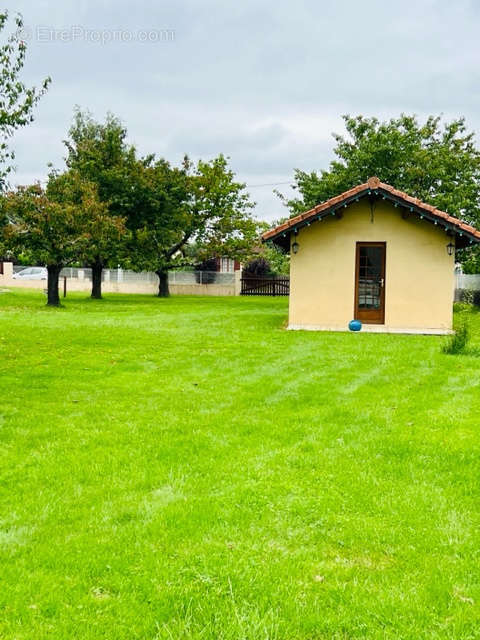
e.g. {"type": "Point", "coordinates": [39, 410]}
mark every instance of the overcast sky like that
{"type": "Point", "coordinates": [264, 82]}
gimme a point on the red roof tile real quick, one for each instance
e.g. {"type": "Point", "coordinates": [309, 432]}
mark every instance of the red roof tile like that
{"type": "Point", "coordinates": [373, 184]}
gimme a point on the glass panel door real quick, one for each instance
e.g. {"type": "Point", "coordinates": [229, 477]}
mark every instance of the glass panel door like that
{"type": "Point", "coordinates": [370, 282]}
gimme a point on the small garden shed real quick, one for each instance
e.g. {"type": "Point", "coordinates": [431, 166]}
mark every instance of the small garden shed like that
{"type": "Point", "coordinates": [374, 254]}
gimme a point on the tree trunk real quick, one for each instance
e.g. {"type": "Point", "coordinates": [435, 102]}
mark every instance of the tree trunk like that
{"type": "Point", "coordinates": [163, 291]}
{"type": "Point", "coordinates": [53, 271]}
{"type": "Point", "coordinates": [97, 268]}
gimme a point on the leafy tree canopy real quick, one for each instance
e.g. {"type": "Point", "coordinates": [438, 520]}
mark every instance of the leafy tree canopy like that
{"type": "Point", "coordinates": [278, 260]}
{"type": "Point", "coordinates": [200, 204]}
{"type": "Point", "coordinates": [435, 161]}
{"type": "Point", "coordinates": [103, 238]}
{"type": "Point", "coordinates": [17, 101]}
{"type": "Point", "coordinates": [47, 231]}
{"type": "Point", "coordinates": [52, 231]}
{"type": "Point", "coordinates": [99, 153]}
{"type": "Point", "coordinates": [470, 259]}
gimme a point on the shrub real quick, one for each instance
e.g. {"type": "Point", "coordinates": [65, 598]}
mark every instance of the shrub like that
{"type": "Point", "coordinates": [257, 267]}
{"type": "Point", "coordinates": [209, 267]}
{"type": "Point", "coordinates": [457, 342]}
{"type": "Point", "coordinates": [467, 296]}
{"type": "Point", "coordinates": [210, 264]}
{"type": "Point", "coordinates": [458, 307]}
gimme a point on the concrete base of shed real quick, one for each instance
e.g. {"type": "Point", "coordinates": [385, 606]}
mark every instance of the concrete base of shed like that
{"type": "Point", "coordinates": [375, 328]}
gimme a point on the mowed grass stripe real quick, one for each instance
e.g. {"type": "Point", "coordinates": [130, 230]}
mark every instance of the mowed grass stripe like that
{"type": "Point", "coordinates": [186, 468]}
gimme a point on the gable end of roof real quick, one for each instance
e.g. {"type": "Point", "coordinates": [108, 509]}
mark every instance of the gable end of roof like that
{"type": "Point", "coordinates": [466, 234]}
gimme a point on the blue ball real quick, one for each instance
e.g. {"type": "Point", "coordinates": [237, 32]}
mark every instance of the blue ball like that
{"type": "Point", "coordinates": [355, 325]}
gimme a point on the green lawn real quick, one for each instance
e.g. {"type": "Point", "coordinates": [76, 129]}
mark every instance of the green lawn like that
{"type": "Point", "coordinates": [189, 469]}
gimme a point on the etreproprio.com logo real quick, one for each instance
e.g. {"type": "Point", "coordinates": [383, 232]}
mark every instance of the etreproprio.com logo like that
{"type": "Point", "coordinates": [79, 33]}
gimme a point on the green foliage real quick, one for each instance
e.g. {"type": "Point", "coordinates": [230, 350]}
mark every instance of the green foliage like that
{"type": "Point", "coordinates": [45, 231]}
{"type": "Point", "coordinates": [100, 154]}
{"type": "Point", "coordinates": [167, 209]}
{"type": "Point", "coordinates": [257, 267]}
{"type": "Point", "coordinates": [458, 341]}
{"type": "Point", "coordinates": [103, 236]}
{"type": "Point", "coordinates": [189, 470]}
{"type": "Point", "coordinates": [219, 209]}
{"type": "Point", "coordinates": [434, 161]}
{"type": "Point", "coordinates": [209, 264]}
{"type": "Point", "coordinates": [198, 204]}
{"type": "Point", "coordinates": [66, 223]}
{"type": "Point", "coordinates": [163, 224]}
{"type": "Point", "coordinates": [268, 260]}
{"type": "Point", "coordinates": [470, 259]}
{"type": "Point", "coordinates": [278, 260]}
{"type": "Point", "coordinates": [468, 296]}
{"type": "Point", "coordinates": [17, 101]}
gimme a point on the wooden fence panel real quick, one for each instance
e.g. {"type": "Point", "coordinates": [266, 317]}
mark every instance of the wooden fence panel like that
{"type": "Point", "coordinates": [265, 286]}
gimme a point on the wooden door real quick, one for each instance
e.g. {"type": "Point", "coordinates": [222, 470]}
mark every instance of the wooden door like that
{"type": "Point", "coordinates": [370, 282]}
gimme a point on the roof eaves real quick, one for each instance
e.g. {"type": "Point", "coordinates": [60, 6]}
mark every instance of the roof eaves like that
{"type": "Point", "coordinates": [317, 213]}
{"type": "Point", "coordinates": [430, 212]}
{"type": "Point", "coordinates": [398, 197]}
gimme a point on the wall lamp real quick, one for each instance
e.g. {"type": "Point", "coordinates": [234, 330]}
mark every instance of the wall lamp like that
{"type": "Point", "coordinates": [450, 248]}
{"type": "Point", "coordinates": [295, 245]}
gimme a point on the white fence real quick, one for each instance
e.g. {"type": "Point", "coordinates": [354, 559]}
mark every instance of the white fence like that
{"type": "Point", "coordinates": [200, 277]}
{"type": "Point", "coordinates": [147, 277]}
{"type": "Point", "coordinates": [206, 283]}
{"type": "Point", "coordinates": [467, 281]}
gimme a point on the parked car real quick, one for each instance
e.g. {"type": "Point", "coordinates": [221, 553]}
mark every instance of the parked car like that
{"type": "Point", "coordinates": [31, 273]}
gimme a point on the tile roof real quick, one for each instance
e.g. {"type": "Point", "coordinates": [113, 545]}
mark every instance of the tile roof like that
{"type": "Point", "coordinates": [373, 186]}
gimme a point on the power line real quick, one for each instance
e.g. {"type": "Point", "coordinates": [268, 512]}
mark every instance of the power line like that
{"type": "Point", "coordinates": [267, 184]}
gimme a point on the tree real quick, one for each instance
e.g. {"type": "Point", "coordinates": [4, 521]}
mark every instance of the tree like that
{"type": "Point", "coordinates": [49, 232]}
{"type": "Point", "coordinates": [200, 204]}
{"type": "Point", "coordinates": [277, 259]}
{"type": "Point", "coordinates": [471, 259]}
{"type": "Point", "coordinates": [104, 234]}
{"type": "Point", "coordinates": [100, 154]}
{"type": "Point", "coordinates": [17, 101]}
{"type": "Point", "coordinates": [273, 259]}
{"type": "Point", "coordinates": [434, 161]}
{"type": "Point", "coordinates": [258, 266]}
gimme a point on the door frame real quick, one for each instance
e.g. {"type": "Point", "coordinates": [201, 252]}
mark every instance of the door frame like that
{"type": "Point", "coordinates": [357, 271]}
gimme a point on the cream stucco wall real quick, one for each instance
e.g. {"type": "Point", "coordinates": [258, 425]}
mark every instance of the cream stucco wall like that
{"type": "Point", "coordinates": [419, 273]}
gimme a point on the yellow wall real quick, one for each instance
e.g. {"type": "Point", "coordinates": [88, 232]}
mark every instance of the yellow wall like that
{"type": "Point", "coordinates": [419, 273]}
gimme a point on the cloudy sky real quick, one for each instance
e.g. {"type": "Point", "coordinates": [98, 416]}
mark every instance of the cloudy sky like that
{"type": "Point", "coordinates": [264, 82]}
